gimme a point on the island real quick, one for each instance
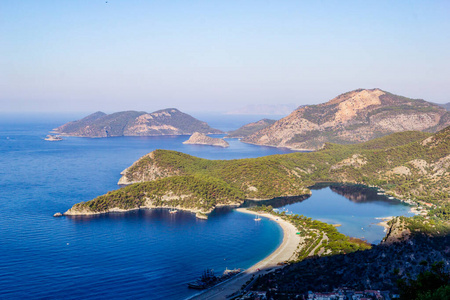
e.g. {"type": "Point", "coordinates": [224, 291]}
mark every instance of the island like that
{"type": "Point", "coordinates": [202, 139]}
{"type": "Point", "coordinates": [168, 121]}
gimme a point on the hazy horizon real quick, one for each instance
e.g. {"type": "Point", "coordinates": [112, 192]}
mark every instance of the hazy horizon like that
{"type": "Point", "coordinates": [215, 56]}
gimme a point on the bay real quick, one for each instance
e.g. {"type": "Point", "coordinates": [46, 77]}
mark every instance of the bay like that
{"type": "Point", "coordinates": [144, 254]}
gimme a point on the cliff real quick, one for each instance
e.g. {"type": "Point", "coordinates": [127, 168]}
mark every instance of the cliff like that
{"type": "Point", "coordinates": [169, 121]}
{"type": "Point", "coordinates": [202, 139]}
{"type": "Point", "coordinates": [412, 166]}
{"type": "Point", "coordinates": [250, 128]}
{"type": "Point", "coordinates": [353, 117]}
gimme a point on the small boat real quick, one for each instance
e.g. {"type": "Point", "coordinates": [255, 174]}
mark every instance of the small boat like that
{"type": "Point", "coordinates": [173, 211]}
{"type": "Point", "coordinates": [257, 218]}
{"type": "Point", "coordinates": [53, 138]}
{"type": "Point", "coordinates": [208, 279]}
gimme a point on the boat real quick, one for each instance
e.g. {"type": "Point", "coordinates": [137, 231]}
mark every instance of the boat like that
{"type": "Point", "coordinates": [257, 218]}
{"type": "Point", "coordinates": [173, 211]}
{"type": "Point", "coordinates": [208, 279]}
{"type": "Point", "coordinates": [53, 138]}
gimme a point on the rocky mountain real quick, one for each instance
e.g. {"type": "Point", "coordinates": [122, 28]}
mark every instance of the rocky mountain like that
{"type": "Point", "coordinates": [169, 121]}
{"type": "Point", "coordinates": [250, 128]}
{"type": "Point", "coordinates": [353, 117]}
{"type": "Point", "coordinates": [202, 139]}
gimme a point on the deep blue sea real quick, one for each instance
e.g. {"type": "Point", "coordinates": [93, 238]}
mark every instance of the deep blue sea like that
{"type": "Point", "coordinates": [145, 254]}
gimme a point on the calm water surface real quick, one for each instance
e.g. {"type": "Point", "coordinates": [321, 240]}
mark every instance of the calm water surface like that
{"type": "Point", "coordinates": [139, 254]}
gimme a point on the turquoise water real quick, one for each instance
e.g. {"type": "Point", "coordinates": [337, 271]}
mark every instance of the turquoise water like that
{"type": "Point", "coordinates": [145, 254]}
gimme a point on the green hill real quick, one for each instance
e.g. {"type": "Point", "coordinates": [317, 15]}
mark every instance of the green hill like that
{"type": "Point", "coordinates": [408, 165]}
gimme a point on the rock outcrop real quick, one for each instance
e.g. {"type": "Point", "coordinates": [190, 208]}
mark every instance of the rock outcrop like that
{"type": "Point", "coordinates": [202, 139]}
{"type": "Point", "coordinates": [353, 117]}
{"type": "Point", "coordinates": [169, 121]}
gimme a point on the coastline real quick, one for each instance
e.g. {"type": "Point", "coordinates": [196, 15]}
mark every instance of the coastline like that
{"type": "Point", "coordinates": [284, 252]}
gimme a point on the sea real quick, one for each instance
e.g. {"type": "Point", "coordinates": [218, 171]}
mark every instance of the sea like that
{"type": "Point", "coordinates": [142, 254]}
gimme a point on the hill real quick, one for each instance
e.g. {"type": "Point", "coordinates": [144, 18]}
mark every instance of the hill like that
{"type": "Point", "coordinates": [250, 128]}
{"type": "Point", "coordinates": [353, 117]}
{"type": "Point", "coordinates": [412, 166]}
{"type": "Point", "coordinates": [169, 121]}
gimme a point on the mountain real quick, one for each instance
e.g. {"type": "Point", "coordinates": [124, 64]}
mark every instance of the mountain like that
{"type": "Point", "coordinates": [353, 117]}
{"type": "Point", "coordinates": [264, 109]}
{"type": "Point", "coordinates": [250, 128]}
{"type": "Point", "coordinates": [168, 121]}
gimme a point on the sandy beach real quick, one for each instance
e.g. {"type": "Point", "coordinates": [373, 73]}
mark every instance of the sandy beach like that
{"type": "Point", "coordinates": [384, 222]}
{"type": "Point", "coordinates": [283, 253]}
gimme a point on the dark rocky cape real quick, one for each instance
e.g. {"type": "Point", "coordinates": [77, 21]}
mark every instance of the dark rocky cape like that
{"type": "Point", "coordinates": [169, 121]}
{"type": "Point", "coordinates": [353, 117]}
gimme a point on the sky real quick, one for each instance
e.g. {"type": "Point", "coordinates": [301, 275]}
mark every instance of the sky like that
{"type": "Point", "coordinates": [114, 55]}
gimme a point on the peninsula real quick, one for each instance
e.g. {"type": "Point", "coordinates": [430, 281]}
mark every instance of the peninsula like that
{"type": "Point", "coordinates": [202, 139]}
{"type": "Point", "coordinates": [412, 166]}
{"type": "Point", "coordinates": [168, 121]}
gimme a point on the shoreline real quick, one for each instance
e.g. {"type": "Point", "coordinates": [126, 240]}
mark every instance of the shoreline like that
{"type": "Point", "coordinates": [284, 252]}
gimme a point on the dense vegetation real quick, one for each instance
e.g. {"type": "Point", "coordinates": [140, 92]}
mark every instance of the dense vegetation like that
{"type": "Point", "coordinates": [433, 283]}
{"type": "Point", "coordinates": [319, 237]}
{"type": "Point", "coordinates": [404, 164]}
{"type": "Point", "coordinates": [195, 192]}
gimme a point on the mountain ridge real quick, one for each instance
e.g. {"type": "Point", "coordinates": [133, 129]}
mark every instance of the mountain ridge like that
{"type": "Point", "coordinates": [352, 117]}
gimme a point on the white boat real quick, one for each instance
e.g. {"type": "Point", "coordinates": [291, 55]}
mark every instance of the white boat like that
{"type": "Point", "coordinates": [257, 218]}
{"type": "Point", "coordinates": [173, 211]}
{"type": "Point", "coordinates": [53, 138]}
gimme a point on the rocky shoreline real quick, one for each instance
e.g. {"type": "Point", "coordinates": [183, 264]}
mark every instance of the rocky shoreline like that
{"type": "Point", "coordinates": [202, 139]}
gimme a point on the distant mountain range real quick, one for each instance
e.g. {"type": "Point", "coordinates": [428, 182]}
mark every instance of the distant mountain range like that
{"type": "Point", "coordinates": [168, 121]}
{"type": "Point", "coordinates": [353, 117]}
{"type": "Point", "coordinates": [264, 109]}
{"type": "Point", "coordinates": [445, 105]}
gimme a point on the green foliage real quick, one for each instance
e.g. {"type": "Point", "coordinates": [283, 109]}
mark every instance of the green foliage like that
{"type": "Point", "coordinates": [290, 174]}
{"type": "Point", "coordinates": [315, 232]}
{"type": "Point", "coordinates": [200, 192]}
{"type": "Point", "coordinates": [432, 283]}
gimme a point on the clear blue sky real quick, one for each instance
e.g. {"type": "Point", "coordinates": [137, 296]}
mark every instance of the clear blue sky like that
{"type": "Point", "coordinates": [88, 55]}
